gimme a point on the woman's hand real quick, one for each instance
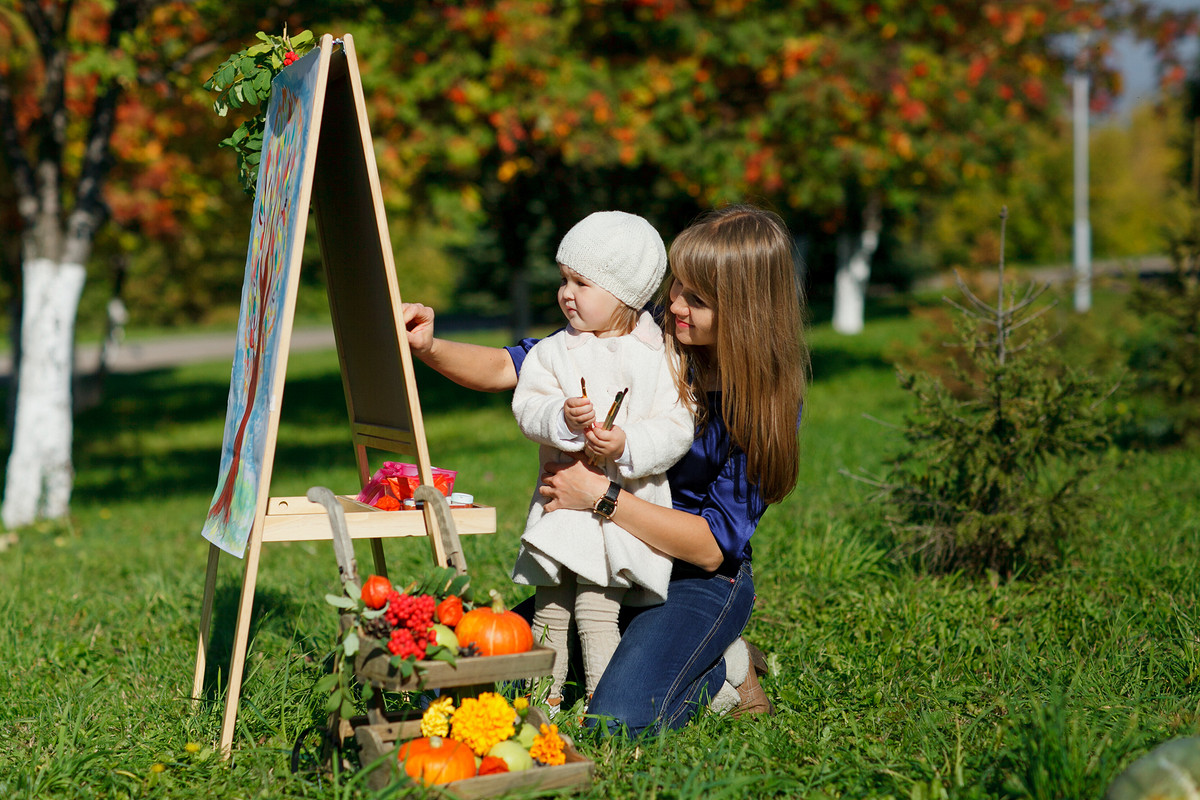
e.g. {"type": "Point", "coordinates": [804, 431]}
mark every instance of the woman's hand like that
{"type": "Point", "coordinates": [418, 324]}
{"type": "Point", "coordinates": [574, 484]}
{"type": "Point", "coordinates": [485, 369]}
{"type": "Point", "coordinates": [679, 534]}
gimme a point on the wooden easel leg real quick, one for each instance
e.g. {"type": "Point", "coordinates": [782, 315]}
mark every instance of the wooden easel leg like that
{"type": "Point", "coordinates": [241, 635]}
{"type": "Point", "coordinates": [364, 473]}
{"type": "Point", "coordinates": [433, 527]}
{"type": "Point", "coordinates": [210, 585]}
{"type": "Point", "coordinates": [377, 557]}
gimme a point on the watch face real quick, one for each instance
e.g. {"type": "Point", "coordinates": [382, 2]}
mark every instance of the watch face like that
{"type": "Point", "coordinates": [607, 504]}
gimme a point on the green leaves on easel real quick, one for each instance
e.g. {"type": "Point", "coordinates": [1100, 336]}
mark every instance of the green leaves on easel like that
{"type": "Point", "coordinates": [244, 80]}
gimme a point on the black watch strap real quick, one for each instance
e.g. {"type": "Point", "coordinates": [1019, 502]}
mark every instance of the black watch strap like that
{"type": "Point", "coordinates": [607, 505]}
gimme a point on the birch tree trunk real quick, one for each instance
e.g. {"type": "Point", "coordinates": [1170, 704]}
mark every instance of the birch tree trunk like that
{"type": "Point", "coordinates": [40, 473]}
{"type": "Point", "coordinates": [56, 243]}
{"type": "Point", "coordinates": [854, 271]}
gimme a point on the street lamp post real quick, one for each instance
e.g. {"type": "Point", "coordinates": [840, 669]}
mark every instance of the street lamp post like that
{"type": "Point", "coordinates": [1082, 249]}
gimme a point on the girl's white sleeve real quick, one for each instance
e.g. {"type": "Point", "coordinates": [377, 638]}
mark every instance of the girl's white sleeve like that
{"type": "Point", "coordinates": [662, 436]}
{"type": "Point", "coordinates": [539, 397]}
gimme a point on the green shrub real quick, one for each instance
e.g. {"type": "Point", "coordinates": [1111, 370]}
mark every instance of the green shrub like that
{"type": "Point", "coordinates": [991, 476]}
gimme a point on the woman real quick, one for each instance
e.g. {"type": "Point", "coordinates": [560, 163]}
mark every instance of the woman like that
{"type": "Point", "coordinates": [734, 318]}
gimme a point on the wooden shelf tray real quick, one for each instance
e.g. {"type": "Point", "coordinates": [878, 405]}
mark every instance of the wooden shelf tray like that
{"type": "Point", "coordinates": [293, 519]}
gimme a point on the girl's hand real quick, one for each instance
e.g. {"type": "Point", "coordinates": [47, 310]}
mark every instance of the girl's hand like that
{"type": "Point", "coordinates": [578, 414]}
{"type": "Point", "coordinates": [602, 444]}
{"type": "Point", "coordinates": [574, 484]}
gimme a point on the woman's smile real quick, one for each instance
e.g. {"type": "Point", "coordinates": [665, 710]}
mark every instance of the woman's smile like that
{"type": "Point", "coordinates": [695, 320]}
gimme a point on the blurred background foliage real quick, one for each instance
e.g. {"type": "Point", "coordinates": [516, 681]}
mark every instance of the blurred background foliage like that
{"type": "Point", "coordinates": [499, 124]}
{"type": "Point", "coordinates": [1135, 197]}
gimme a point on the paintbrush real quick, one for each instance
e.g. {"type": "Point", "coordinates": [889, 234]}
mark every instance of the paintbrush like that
{"type": "Point", "coordinates": [616, 406]}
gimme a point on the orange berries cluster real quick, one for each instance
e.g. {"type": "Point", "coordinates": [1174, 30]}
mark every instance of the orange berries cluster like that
{"type": "Point", "coordinates": [412, 620]}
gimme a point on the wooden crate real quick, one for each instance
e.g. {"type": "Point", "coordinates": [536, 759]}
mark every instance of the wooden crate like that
{"type": "Point", "coordinates": [381, 733]}
{"type": "Point", "coordinates": [382, 740]}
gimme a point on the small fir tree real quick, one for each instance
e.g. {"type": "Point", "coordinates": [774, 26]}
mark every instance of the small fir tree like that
{"type": "Point", "coordinates": [993, 478]}
{"type": "Point", "coordinates": [1165, 363]}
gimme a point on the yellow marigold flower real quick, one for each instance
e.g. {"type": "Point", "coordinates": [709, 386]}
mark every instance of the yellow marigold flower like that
{"type": "Point", "coordinates": [481, 722]}
{"type": "Point", "coordinates": [548, 747]}
{"type": "Point", "coordinates": [436, 719]}
{"type": "Point", "coordinates": [520, 704]}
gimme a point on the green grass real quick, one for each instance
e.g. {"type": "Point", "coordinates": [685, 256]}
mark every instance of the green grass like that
{"type": "Point", "coordinates": [888, 682]}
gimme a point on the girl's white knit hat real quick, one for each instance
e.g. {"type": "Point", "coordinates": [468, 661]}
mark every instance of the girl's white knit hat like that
{"type": "Point", "coordinates": [620, 252]}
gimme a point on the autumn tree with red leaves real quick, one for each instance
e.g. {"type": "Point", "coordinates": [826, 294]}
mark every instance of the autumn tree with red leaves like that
{"type": "Point", "coordinates": [841, 115]}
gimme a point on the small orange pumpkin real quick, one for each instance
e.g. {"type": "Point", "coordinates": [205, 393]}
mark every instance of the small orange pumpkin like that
{"type": "Point", "coordinates": [434, 759]}
{"type": "Point", "coordinates": [494, 631]}
{"type": "Point", "coordinates": [375, 591]}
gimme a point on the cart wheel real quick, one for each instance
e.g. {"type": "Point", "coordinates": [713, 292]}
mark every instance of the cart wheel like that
{"type": "Point", "coordinates": [311, 749]}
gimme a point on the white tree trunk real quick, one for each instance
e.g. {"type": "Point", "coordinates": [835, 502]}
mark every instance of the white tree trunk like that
{"type": "Point", "coordinates": [40, 474]}
{"type": "Point", "coordinates": [854, 273]}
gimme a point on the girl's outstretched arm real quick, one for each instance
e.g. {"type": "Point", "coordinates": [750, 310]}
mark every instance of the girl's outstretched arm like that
{"type": "Point", "coordinates": [679, 534]}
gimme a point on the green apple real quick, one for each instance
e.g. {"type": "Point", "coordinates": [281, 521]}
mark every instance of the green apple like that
{"type": "Point", "coordinates": [525, 735]}
{"type": "Point", "coordinates": [445, 637]}
{"type": "Point", "coordinates": [513, 754]}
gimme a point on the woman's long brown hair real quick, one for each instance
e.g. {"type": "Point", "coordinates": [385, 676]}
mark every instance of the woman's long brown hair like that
{"type": "Point", "coordinates": [739, 261]}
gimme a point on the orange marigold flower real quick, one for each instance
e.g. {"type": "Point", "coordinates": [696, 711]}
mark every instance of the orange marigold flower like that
{"type": "Point", "coordinates": [548, 747]}
{"type": "Point", "coordinates": [480, 722]}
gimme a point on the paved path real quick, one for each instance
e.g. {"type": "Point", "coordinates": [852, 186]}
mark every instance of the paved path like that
{"type": "Point", "coordinates": [170, 351]}
{"type": "Point", "coordinates": [1061, 273]}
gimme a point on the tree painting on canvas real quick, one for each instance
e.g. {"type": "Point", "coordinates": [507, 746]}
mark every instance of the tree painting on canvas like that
{"type": "Point", "coordinates": [277, 230]}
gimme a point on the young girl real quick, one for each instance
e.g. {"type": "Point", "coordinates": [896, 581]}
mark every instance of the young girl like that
{"type": "Point", "coordinates": [613, 353]}
{"type": "Point", "coordinates": [735, 318]}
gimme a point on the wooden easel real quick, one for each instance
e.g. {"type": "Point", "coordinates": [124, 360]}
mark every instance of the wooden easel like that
{"type": "Point", "coordinates": [340, 176]}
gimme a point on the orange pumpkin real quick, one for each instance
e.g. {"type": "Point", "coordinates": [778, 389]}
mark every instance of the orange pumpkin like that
{"type": "Point", "coordinates": [434, 759]}
{"type": "Point", "coordinates": [375, 591]}
{"type": "Point", "coordinates": [493, 630]}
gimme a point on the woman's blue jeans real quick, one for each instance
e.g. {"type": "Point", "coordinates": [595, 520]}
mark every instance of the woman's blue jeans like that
{"type": "Point", "coordinates": [669, 662]}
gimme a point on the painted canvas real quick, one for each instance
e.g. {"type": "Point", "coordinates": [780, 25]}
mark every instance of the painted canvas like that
{"type": "Point", "coordinates": [276, 237]}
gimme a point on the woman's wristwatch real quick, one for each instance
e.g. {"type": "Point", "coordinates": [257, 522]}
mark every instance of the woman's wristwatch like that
{"type": "Point", "coordinates": [606, 506]}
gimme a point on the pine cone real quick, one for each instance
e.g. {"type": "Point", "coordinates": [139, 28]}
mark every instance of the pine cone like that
{"type": "Point", "coordinates": [378, 628]}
